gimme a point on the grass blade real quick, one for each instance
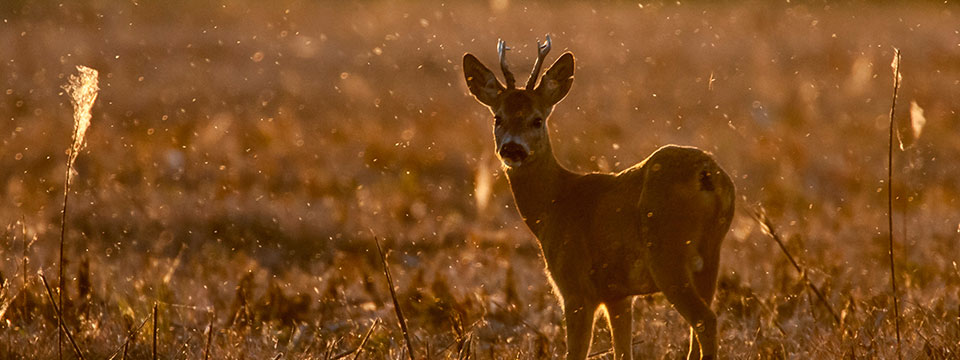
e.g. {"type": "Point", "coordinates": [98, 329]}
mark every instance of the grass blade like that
{"type": "Point", "coordinates": [23, 270]}
{"type": "Point", "coordinates": [56, 308]}
{"type": "Point", "coordinates": [893, 274]}
{"type": "Point", "coordinates": [769, 229]}
{"type": "Point", "coordinates": [365, 337]}
{"type": "Point", "coordinates": [206, 349]}
{"type": "Point", "coordinates": [133, 334]}
{"type": "Point", "coordinates": [393, 295]}
{"type": "Point", "coordinates": [154, 331]}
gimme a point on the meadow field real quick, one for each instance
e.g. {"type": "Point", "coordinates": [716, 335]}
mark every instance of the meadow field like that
{"type": "Point", "coordinates": [244, 155]}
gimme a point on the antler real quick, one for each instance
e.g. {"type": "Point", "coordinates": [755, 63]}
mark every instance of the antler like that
{"type": "Point", "coordinates": [543, 50]}
{"type": "Point", "coordinates": [507, 75]}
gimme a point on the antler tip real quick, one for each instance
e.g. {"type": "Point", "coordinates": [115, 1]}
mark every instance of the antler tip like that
{"type": "Point", "coordinates": [502, 51]}
{"type": "Point", "coordinates": [542, 51]}
{"type": "Point", "coordinates": [545, 47]}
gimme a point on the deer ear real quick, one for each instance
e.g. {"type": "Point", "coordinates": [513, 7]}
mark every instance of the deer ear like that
{"type": "Point", "coordinates": [482, 82]}
{"type": "Point", "coordinates": [557, 81]}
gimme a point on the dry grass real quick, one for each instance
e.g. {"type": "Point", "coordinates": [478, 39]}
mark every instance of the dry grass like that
{"type": "Point", "coordinates": [240, 154]}
{"type": "Point", "coordinates": [82, 91]}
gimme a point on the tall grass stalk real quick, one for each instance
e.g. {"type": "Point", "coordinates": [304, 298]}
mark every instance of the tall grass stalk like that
{"type": "Point", "coordinates": [768, 228]}
{"type": "Point", "coordinates": [83, 90]}
{"type": "Point", "coordinates": [130, 336]}
{"type": "Point", "coordinates": [365, 338]}
{"type": "Point", "coordinates": [396, 303]}
{"type": "Point", "coordinates": [893, 277]}
{"type": "Point", "coordinates": [154, 352]}
{"type": "Point", "coordinates": [57, 309]}
{"type": "Point", "coordinates": [23, 268]}
{"type": "Point", "coordinates": [206, 349]}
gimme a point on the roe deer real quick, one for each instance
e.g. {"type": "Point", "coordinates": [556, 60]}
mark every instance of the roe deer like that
{"type": "Point", "coordinates": [655, 227]}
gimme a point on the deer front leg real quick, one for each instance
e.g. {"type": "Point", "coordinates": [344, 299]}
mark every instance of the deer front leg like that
{"type": "Point", "coordinates": [579, 318]}
{"type": "Point", "coordinates": [620, 313]}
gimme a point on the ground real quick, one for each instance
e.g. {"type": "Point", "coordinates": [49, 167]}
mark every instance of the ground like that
{"type": "Point", "coordinates": [243, 157]}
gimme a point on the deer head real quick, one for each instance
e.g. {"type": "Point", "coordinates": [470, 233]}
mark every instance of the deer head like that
{"type": "Point", "coordinates": [520, 114]}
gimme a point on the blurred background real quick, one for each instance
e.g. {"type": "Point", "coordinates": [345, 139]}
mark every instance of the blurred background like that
{"type": "Point", "coordinates": [244, 154]}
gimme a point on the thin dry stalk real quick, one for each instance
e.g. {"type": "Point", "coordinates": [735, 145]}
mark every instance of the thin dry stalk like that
{"type": "Point", "coordinates": [365, 337]}
{"type": "Point", "coordinates": [464, 346]}
{"type": "Point", "coordinates": [893, 276]}
{"type": "Point", "coordinates": [76, 349]}
{"type": "Point", "coordinates": [330, 346]}
{"type": "Point", "coordinates": [23, 266]}
{"type": "Point", "coordinates": [63, 223]}
{"type": "Point", "coordinates": [279, 355]}
{"type": "Point", "coordinates": [462, 337]}
{"type": "Point", "coordinates": [154, 331]}
{"type": "Point", "coordinates": [773, 317]}
{"type": "Point", "coordinates": [83, 92]}
{"type": "Point", "coordinates": [131, 336]}
{"type": "Point", "coordinates": [396, 303]}
{"type": "Point", "coordinates": [340, 355]}
{"type": "Point", "coordinates": [769, 229]}
{"type": "Point", "coordinates": [5, 301]}
{"type": "Point", "coordinates": [206, 349]}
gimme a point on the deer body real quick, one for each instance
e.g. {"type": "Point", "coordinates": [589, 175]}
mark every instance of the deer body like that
{"type": "Point", "coordinates": [655, 227]}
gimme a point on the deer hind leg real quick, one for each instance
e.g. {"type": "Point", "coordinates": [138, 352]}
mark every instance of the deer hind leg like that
{"type": "Point", "coordinates": [579, 318]}
{"type": "Point", "coordinates": [677, 284]}
{"type": "Point", "coordinates": [620, 313]}
{"type": "Point", "coordinates": [674, 277]}
{"type": "Point", "coordinates": [709, 248]}
{"type": "Point", "coordinates": [677, 203]}
{"type": "Point", "coordinates": [706, 278]}
{"type": "Point", "coordinates": [715, 229]}
{"type": "Point", "coordinates": [705, 282]}
{"type": "Point", "coordinates": [670, 233]}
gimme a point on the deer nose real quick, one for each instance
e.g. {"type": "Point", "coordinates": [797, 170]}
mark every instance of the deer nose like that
{"type": "Point", "coordinates": [513, 152]}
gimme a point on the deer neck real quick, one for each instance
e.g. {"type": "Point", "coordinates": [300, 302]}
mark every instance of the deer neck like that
{"type": "Point", "coordinates": [536, 186]}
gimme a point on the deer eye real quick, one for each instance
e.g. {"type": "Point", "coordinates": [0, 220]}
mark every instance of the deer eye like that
{"type": "Point", "coordinates": [537, 123]}
{"type": "Point", "coordinates": [497, 120]}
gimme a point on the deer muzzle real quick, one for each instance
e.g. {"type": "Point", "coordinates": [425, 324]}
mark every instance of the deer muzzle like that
{"type": "Point", "coordinates": [513, 154]}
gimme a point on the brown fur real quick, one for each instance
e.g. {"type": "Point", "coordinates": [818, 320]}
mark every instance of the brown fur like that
{"type": "Point", "coordinates": [655, 227]}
